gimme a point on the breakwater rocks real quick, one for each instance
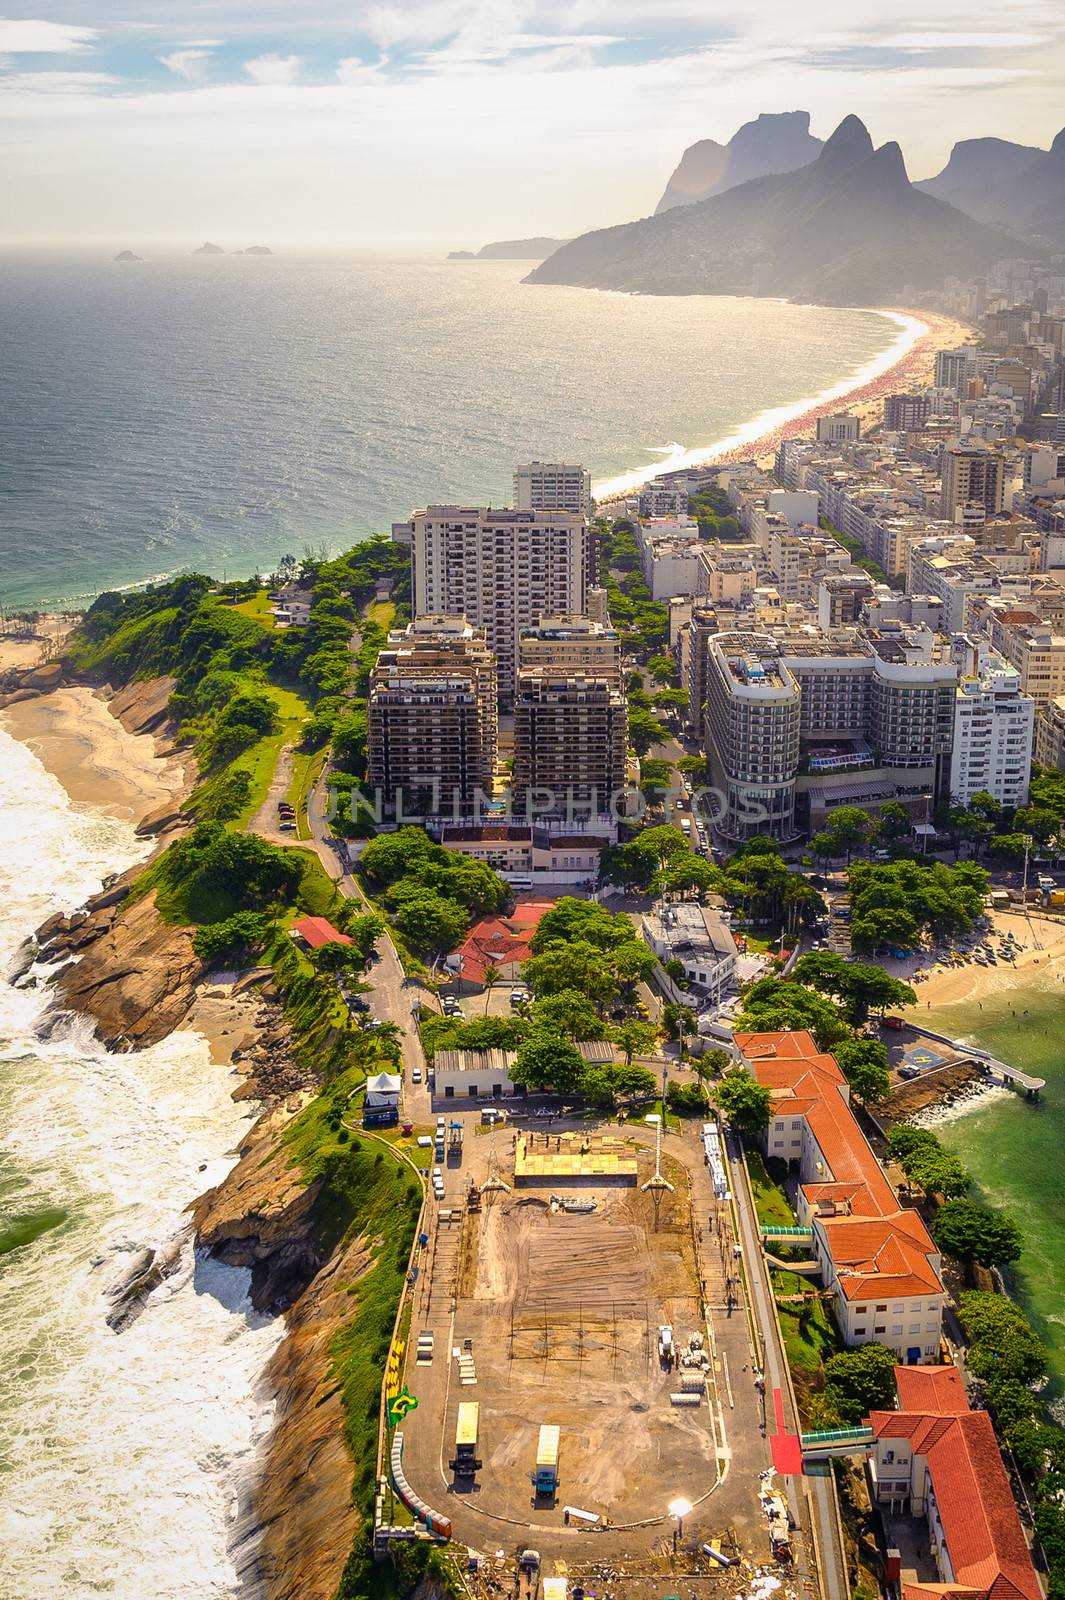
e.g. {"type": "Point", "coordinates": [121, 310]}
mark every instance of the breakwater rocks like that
{"type": "Point", "coordinates": [942, 1087]}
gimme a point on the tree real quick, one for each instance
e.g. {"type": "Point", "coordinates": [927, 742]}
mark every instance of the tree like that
{"type": "Point", "coordinates": [570, 919]}
{"type": "Point", "coordinates": [491, 976]}
{"type": "Point", "coordinates": [685, 873]}
{"type": "Point", "coordinates": [544, 1061]}
{"type": "Point", "coordinates": [235, 939]}
{"type": "Point", "coordinates": [397, 855]}
{"type": "Point", "coordinates": [744, 1102]}
{"type": "Point", "coordinates": [893, 824]}
{"type": "Point", "coordinates": [1001, 1341]}
{"type": "Point", "coordinates": [862, 1380]}
{"type": "Point", "coordinates": [860, 986]}
{"type": "Point", "coordinates": [578, 965]}
{"type": "Point", "coordinates": [635, 1039]}
{"type": "Point", "coordinates": [687, 1099]}
{"type": "Point", "coordinates": [364, 932]}
{"type": "Point", "coordinates": [568, 1013]}
{"type": "Point", "coordinates": [777, 1004]}
{"type": "Point", "coordinates": [848, 827]}
{"type": "Point", "coordinates": [663, 668]}
{"type": "Point", "coordinates": [864, 1064]}
{"type": "Point", "coordinates": [678, 1020]}
{"type": "Point", "coordinates": [976, 1235]}
{"type": "Point", "coordinates": [645, 730]}
{"type": "Point", "coordinates": [670, 700]}
{"type": "Point", "coordinates": [429, 921]}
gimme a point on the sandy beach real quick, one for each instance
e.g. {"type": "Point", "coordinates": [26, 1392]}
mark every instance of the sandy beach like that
{"type": "Point", "coordinates": [97, 761]}
{"type": "Point", "coordinates": [922, 335]}
{"type": "Point", "coordinates": [1042, 959]}
{"type": "Point", "coordinates": [17, 653]}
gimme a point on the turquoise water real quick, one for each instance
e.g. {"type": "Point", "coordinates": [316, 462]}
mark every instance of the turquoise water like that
{"type": "Point", "coordinates": [1016, 1150]}
{"type": "Point", "coordinates": [215, 413]}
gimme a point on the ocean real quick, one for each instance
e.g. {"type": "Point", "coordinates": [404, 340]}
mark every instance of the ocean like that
{"type": "Point", "coordinates": [215, 413]}
{"type": "Point", "coordinates": [1014, 1149]}
{"type": "Point", "coordinates": [121, 1454]}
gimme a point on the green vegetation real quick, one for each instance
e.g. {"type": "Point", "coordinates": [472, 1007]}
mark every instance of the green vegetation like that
{"type": "Point", "coordinates": [894, 904]}
{"type": "Point", "coordinates": [976, 1235]}
{"type": "Point", "coordinates": [235, 940]}
{"type": "Point", "coordinates": [859, 987]}
{"type": "Point", "coordinates": [712, 509]}
{"type": "Point", "coordinates": [770, 1199]}
{"type": "Point", "coordinates": [743, 1102]}
{"type": "Point", "coordinates": [926, 1162]}
{"type": "Point", "coordinates": [857, 554]}
{"type": "Point", "coordinates": [859, 1381]}
{"type": "Point", "coordinates": [642, 622]}
{"type": "Point", "coordinates": [581, 946]}
{"type": "Point", "coordinates": [431, 894]}
{"type": "Point", "coordinates": [773, 1004]}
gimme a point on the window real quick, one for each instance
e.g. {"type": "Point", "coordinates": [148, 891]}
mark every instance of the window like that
{"type": "Point", "coordinates": [858, 1331]}
{"type": "Point", "coordinates": [880, 1327]}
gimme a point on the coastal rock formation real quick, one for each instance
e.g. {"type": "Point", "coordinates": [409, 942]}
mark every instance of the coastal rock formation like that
{"type": "Point", "coordinates": [462, 255]}
{"type": "Point", "coordinates": [209, 249]}
{"type": "Point", "coordinates": [262, 1216]}
{"type": "Point", "coordinates": [773, 142]}
{"type": "Point", "coordinates": [303, 1522]}
{"type": "Point", "coordinates": [848, 229]}
{"type": "Point", "coordinates": [535, 249]}
{"type": "Point", "coordinates": [127, 255]}
{"type": "Point", "coordinates": [144, 707]}
{"type": "Point", "coordinates": [136, 976]}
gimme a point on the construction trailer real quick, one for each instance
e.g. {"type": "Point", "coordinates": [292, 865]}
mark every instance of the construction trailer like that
{"type": "Point", "coordinates": [546, 1479]}
{"type": "Point", "coordinates": [465, 1462]}
{"type": "Point", "coordinates": [454, 1144]}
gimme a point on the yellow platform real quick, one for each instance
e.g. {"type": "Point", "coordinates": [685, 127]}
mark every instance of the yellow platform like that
{"type": "Point", "coordinates": [572, 1157]}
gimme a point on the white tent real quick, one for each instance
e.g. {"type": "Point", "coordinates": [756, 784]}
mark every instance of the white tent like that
{"type": "Point", "coordinates": [383, 1090]}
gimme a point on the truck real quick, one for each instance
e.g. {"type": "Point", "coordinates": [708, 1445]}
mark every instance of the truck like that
{"type": "Point", "coordinates": [546, 1478]}
{"type": "Point", "coordinates": [465, 1462]}
{"type": "Point", "coordinates": [454, 1145]}
{"type": "Point", "coordinates": [665, 1344]}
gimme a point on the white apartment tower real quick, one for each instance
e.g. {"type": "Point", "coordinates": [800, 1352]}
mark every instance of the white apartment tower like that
{"type": "Point", "coordinates": [503, 570]}
{"type": "Point", "coordinates": [994, 727]}
{"type": "Point", "coordinates": [553, 486]}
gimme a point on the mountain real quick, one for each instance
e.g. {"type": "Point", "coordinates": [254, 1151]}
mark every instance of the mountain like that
{"type": "Point", "coordinates": [849, 229]}
{"type": "Point", "coordinates": [209, 249]}
{"type": "Point", "coordinates": [127, 255]}
{"type": "Point", "coordinates": [510, 250]}
{"type": "Point", "coordinates": [773, 142]}
{"type": "Point", "coordinates": [1016, 186]}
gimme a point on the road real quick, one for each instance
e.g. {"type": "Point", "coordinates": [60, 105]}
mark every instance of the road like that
{"type": "Point", "coordinates": [819, 1492]}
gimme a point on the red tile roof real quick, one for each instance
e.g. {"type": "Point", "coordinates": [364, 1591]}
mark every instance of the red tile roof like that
{"type": "Point", "coordinates": [985, 1542]}
{"type": "Point", "coordinates": [499, 941]}
{"type": "Point", "coordinates": [877, 1247]}
{"type": "Point", "coordinates": [316, 931]}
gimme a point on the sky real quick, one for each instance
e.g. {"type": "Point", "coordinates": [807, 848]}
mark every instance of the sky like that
{"type": "Point", "coordinates": [418, 124]}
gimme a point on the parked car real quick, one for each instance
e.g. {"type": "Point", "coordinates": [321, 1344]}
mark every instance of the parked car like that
{"type": "Point", "coordinates": [416, 1075]}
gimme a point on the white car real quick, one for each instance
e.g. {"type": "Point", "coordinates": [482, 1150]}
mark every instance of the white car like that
{"type": "Point", "coordinates": [416, 1075]}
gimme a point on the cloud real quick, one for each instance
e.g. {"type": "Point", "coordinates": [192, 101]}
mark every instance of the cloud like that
{"type": "Point", "coordinates": [42, 38]}
{"type": "Point", "coordinates": [273, 69]}
{"type": "Point", "coordinates": [56, 83]}
{"type": "Point", "coordinates": [190, 63]}
{"type": "Point", "coordinates": [961, 41]}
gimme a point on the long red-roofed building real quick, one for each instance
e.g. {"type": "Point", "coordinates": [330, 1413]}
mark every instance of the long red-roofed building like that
{"type": "Point", "coordinates": [935, 1458]}
{"type": "Point", "coordinates": [316, 931]}
{"type": "Point", "coordinates": [877, 1256]}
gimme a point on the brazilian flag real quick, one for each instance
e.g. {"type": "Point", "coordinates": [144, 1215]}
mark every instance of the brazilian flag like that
{"type": "Point", "coordinates": [400, 1406]}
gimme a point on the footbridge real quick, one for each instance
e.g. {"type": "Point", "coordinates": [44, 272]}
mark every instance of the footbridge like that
{"type": "Point", "coordinates": [831, 1442]}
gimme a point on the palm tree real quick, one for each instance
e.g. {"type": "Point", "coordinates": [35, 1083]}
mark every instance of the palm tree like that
{"type": "Point", "coordinates": [491, 975]}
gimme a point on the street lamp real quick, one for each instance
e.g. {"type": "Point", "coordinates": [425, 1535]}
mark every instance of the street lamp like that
{"type": "Point", "coordinates": [678, 1510]}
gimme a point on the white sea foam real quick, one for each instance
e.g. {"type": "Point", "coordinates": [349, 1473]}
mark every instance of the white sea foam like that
{"type": "Point", "coordinates": [121, 1454]}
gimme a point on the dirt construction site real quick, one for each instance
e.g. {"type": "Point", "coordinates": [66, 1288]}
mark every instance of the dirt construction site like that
{"type": "Point", "coordinates": [543, 1303]}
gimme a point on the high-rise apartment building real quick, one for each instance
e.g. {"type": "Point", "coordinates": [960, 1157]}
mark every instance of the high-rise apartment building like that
{"type": "Point", "coordinates": [570, 644]}
{"type": "Point", "coordinates": [994, 726]}
{"type": "Point", "coordinates": [503, 570]}
{"type": "Point", "coordinates": [432, 719]}
{"type": "Point", "coordinates": [752, 735]}
{"type": "Point", "coordinates": [972, 472]}
{"type": "Point", "coordinates": [554, 486]}
{"type": "Point", "coordinates": [570, 721]}
{"type": "Point", "coordinates": [952, 368]}
{"type": "Point", "coordinates": [906, 413]}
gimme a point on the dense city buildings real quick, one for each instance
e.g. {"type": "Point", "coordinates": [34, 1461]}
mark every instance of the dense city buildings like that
{"type": "Point", "coordinates": [503, 570]}
{"type": "Point", "coordinates": [432, 719]}
{"type": "Point", "coordinates": [906, 413]}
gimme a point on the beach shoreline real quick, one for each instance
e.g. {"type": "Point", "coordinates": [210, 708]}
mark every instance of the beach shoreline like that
{"type": "Point", "coordinates": [907, 362]}
{"type": "Point", "coordinates": [1041, 960]}
{"type": "Point", "coordinates": [94, 758]}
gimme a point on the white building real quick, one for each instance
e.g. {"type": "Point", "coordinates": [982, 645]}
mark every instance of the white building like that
{"type": "Point", "coordinates": [503, 570]}
{"type": "Point", "coordinates": [837, 429]}
{"type": "Point", "coordinates": [994, 726]}
{"type": "Point", "coordinates": [797, 506]}
{"type": "Point", "coordinates": [699, 938]}
{"type": "Point", "coordinates": [553, 486]}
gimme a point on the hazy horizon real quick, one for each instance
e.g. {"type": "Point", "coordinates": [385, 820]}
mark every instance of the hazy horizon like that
{"type": "Point", "coordinates": [433, 124]}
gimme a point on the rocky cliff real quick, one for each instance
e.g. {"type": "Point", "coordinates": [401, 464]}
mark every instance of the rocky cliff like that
{"type": "Point", "coordinates": [773, 142]}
